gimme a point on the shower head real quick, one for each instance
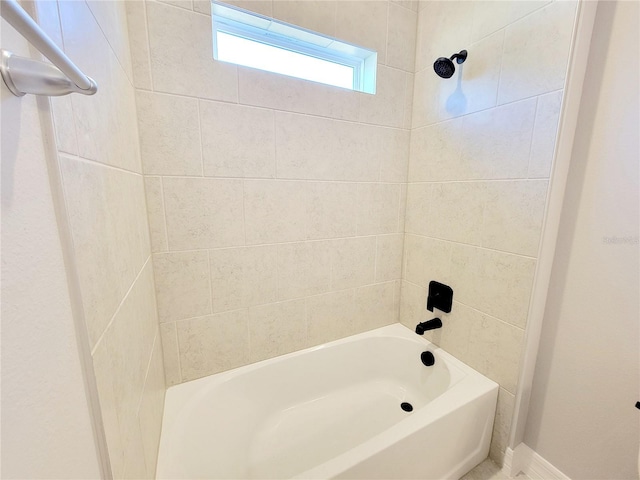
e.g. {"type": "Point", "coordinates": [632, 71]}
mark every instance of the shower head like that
{"type": "Point", "coordinates": [445, 68]}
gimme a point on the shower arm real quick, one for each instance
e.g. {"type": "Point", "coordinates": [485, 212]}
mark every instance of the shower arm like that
{"type": "Point", "coordinates": [459, 57]}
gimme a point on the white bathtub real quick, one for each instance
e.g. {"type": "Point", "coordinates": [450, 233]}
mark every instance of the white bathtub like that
{"type": "Point", "coordinates": [332, 411]}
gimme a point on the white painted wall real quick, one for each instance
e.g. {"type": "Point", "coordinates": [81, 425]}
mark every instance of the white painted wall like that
{"type": "Point", "coordinates": [582, 417]}
{"type": "Point", "coordinates": [46, 425]}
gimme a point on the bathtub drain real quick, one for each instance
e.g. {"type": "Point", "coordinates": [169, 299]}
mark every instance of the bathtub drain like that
{"type": "Point", "coordinates": [407, 407]}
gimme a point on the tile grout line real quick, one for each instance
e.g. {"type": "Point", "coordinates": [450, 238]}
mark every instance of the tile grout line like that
{"type": "Point", "coordinates": [533, 134]}
{"type": "Point", "coordinates": [124, 298]}
{"type": "Point", "coordinates": [282, 110]}
{"type": "Point", "coordinates": [200, 138]}
{"type": "Point", "coordinates": [271, 179]}
{"type": "Point", "coordinates": [175, 329]}
{"type": "Point", "coordinates": [146, 375]}
{"type": "Point", "coordinates": [98, 163]}
{"type": "Point", "coordinates": [164, 214]}
{"type": "Point", "coordinates": [148, 35]}
{"type": "Point", "coordinates": [209, 283]}
{"type": "Point", "coordinates": [111, 47]}
{"type": "Point", "coordinates": [498, 105]}
{"type": "Point", "coordinates": [330, 239]}
{"type": "Point", "coordinates": [282, 301]}
{"type": "Point", "coordinates": [470, 245]}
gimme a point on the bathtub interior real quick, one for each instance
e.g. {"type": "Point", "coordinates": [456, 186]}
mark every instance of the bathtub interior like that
{"type": "Point", "coordinates": [288, 415]}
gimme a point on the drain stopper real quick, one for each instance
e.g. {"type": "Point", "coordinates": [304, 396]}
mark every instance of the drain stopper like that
{"type": "Point", "coordinates": [406, 406]}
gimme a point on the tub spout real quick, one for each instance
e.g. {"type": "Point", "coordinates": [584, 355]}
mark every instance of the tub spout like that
{"type": "Point", "coordinates": [428, 325]}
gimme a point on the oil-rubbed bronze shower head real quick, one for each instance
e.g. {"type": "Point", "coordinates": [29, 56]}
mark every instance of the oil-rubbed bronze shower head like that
{"type": "Point", "coordinates": [445, 68]}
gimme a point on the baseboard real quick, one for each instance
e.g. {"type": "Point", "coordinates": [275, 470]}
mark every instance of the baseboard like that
{"type": "Point", "coordinates": [524, 459]}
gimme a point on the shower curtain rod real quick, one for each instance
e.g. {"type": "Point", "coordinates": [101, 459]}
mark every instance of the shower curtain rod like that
{"type": "Point", "coordinates": [25, 75]}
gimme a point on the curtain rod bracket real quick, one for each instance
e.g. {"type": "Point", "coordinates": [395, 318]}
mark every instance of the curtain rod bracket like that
{"type": "Point", "coordinates": [25, 75]}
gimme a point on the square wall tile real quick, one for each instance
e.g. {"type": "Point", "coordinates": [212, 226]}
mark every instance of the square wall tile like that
{"type": "Point", "coordinates": [545, 131]}
{"type": "Point", "coordinates": [182, 285]}
{"type": "Point", "coordinates": [547, 30]}
{"type": "Point", "coordinates": [203, 212]}
{"type": "Point", "coordinates": [457, 211]}
{"type": "Point", "coordinates": [513, 215]}
{"type": "Point", "coordinates": [169, 134]}
{"type": "Point", "coordinates": [401, 41]}
{"type": "Point", "coordinates": [285, 211]}
{"type": "Point", "coordinates": [378, 208]}
{"type": "Point", "coordinates": [276, 329]}
{"type": "Point", "coordinates": [496, 142]}
{"type": "Point", "coordinates": [331, 209]}
{"type": "Point", "coordinates": [426, 259]}
{"type": "Point", "coordinates": [280, 92]}
{"type": "Point", "coordinates": [364, 23]}
{"type": "Point", "coordinates": [275, 211]}
{"type": "Point", "coordinates": [304, 269]}
{"type": "Point", "coordinates": [389, 257]}
{"type": "Point", "coordinates": [237, 141]}
{"type": "Point", "coordinates": [212, 344]}
{"type": "Point", "coordinates": [182, 38]}
{"type": "Point", "coordinates": [494, 349]}
{"type": "Point", "coordinates": [330, 316]}
{"type": "Point", "coordinates": [319, 16]}
{"type": "Point", "coordinates": [496, 283]}
{"type": "Point", "coordinates": [435, 153]}
{"type": "Point", "coordinates": [353, 262]}
{"type": "Point", "coordinates": [243, 277]}
{"type": "Point", "coordinates": [376, 305]}
{"type": "Point", "coordinates": [316, 148]}
{"type": "Point", "coordinates": [386, 107]}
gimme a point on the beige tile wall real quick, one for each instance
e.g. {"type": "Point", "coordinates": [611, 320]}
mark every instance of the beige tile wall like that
{"type": "Point", "coordinates": [276, 206]}
{"type": "Point", "coordinates": [481, 151]}
{"type": "Point", "coordinates": [104, 190]}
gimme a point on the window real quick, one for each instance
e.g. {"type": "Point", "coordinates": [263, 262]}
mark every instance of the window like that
{"type": "Point", "coordinates": [255, 41]}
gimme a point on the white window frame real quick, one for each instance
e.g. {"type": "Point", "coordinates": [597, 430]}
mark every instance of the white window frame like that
{"type": "Point", "coordinates": [251, 26]}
